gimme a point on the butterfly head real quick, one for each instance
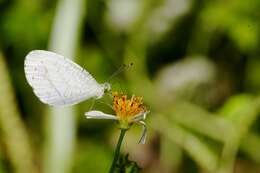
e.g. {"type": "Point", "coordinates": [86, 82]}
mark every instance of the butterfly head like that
{"type": "Point", "coordinates": [106, 87]}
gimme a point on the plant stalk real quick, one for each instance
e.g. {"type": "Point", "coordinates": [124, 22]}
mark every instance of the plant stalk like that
{"type": "Point", "coordinates": [117, 152]}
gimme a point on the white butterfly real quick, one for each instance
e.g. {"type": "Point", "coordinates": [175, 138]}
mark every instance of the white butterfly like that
{"type": "Point", "coordinates": [58, 81]}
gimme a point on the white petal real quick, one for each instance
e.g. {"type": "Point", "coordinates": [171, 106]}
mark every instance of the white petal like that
{"type": "Point", "coordinates": [99, 115]}
{"type": "Point", "coordinates": [144, 132]}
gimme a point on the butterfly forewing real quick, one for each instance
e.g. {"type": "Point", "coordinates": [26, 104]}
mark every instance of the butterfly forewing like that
{"type": "Point", "coordinates": [59, 81]}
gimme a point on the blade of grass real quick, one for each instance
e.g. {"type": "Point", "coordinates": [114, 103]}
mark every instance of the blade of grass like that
{"type": "Point", "coordinates": [201, 121]}
{"type": "Point", "coordinates": [60, 122]}
{"type": "Point", "coordinates": [250, 146]}
{"type": "Point", "coordinates": [14, 134]}
{"type": "Point", "coordinates": [196, 148]}
{"type": "Point", "coordinates": [246, 112]}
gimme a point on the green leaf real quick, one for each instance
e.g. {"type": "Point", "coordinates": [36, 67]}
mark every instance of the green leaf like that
{"type": "Point", "coordinates": [200, 120]}
{"type": "Point", "coordinates": [192, 144]}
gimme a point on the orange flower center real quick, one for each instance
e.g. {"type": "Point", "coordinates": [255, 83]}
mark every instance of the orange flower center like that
{"type": "Point", "coordinates": [127, 108]}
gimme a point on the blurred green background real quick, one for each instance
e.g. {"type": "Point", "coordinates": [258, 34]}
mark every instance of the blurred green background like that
{"type": "Point", "coordinates": [196, 63]}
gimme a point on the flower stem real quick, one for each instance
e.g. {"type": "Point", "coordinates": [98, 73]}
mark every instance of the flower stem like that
{"type": "Point", "coordinates": [117, 152]}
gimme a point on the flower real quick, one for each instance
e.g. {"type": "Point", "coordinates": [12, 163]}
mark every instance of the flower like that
{"type": "Point", "coordinates": [128, 112]}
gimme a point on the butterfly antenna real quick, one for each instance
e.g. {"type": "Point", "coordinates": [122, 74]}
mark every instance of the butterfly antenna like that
{"type": "Point", "coordinates": [120, 70]}
{"type": "Point", "coordinates": [121, 88]}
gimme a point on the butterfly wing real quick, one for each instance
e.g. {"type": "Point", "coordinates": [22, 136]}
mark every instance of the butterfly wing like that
{"type": "Point", "coordinates": [58, 81]}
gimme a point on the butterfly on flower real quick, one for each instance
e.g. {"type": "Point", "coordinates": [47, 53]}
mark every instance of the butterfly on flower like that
{"type": "Point", "coordinates": [58, 81]}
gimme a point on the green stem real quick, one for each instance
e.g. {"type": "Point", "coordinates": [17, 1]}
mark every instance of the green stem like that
{"type": "Point", "coordinates": [117, 152]}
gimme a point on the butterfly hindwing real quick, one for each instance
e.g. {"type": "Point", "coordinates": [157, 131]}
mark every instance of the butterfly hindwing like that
{"type": "Point", "coordinates": [59, 81]}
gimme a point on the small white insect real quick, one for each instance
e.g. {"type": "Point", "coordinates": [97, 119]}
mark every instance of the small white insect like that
{"type": "Point", "coordinates": [58, 81]}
